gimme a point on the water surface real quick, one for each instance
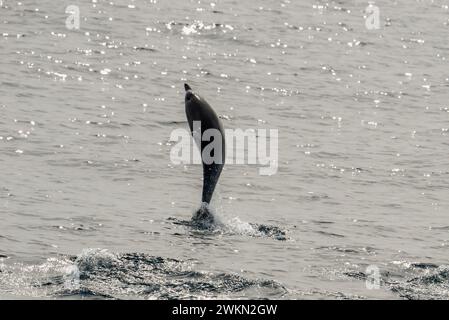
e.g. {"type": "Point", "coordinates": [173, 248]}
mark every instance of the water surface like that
{"type": "Point", "coordinates": [86, 117]}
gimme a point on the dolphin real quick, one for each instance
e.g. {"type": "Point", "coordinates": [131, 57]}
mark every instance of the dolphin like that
{"type": "Point", "coordinates": [198, 111]}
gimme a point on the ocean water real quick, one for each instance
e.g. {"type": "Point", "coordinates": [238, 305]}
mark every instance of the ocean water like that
{"type": "Point", "coordinates": [92, 206]}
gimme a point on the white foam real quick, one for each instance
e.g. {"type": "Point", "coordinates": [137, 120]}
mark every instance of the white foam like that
{"type": "Point", "coordinates": [241, 227]}
{"type": "Point", "coordinates": [230, 225]}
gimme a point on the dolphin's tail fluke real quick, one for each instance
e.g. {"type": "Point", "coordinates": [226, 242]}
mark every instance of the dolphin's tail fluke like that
{"type": "Point", "coordinates": [203, 217]}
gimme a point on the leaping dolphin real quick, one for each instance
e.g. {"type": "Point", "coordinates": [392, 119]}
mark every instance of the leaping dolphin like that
{"type": "Point", "coordinates": [198, 111]}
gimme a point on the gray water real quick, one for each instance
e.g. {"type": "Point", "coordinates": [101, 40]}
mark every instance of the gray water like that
{"type": "Point", "coordinates": [92, 207]}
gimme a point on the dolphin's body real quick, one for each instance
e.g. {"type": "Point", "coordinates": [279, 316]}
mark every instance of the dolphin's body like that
{"type": "Point", "coordinates": [198, 110]}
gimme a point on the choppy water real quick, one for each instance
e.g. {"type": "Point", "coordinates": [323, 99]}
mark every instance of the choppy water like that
{"type": "Point", "coordinates": [85, 123]}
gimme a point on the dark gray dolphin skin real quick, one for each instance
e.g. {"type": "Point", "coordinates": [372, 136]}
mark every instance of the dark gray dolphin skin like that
{"type": "Point", "coordinates": [197, 109]}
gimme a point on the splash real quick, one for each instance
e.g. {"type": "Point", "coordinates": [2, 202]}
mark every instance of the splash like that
{"type": "Point", "coordinates": [97, 273]}
{"type": "Point", "coordinates": [427, 282]}
{"type": "Point", "coordinates": [90, 259]}
{"type": "Point", "coordinates": [413, 281]}
{"type": "Point", "coordinates": [207, 219]}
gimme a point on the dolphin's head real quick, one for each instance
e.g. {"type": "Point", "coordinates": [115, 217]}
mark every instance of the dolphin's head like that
{"type": "Point", "coordinates": [190, 95]}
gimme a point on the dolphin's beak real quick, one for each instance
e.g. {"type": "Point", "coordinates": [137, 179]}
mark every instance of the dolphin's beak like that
{"type": "Point", "coordinates": [189, 93]}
